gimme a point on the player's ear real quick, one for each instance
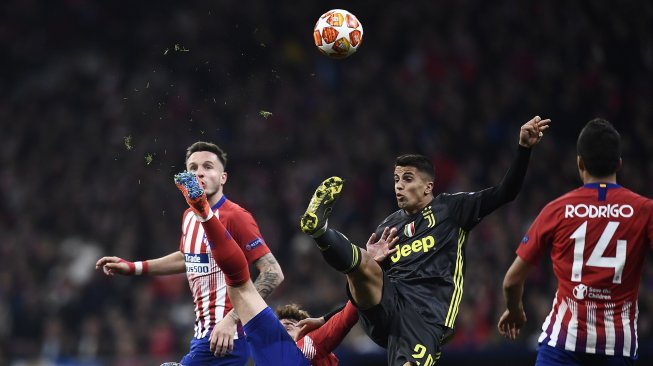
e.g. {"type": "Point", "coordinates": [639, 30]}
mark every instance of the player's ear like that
{"type": "Point", "coordinates": [580, 163]}
{"type": "Point", "coordinates": [223, 178]}
{"type": "Point", "coordinates": [619, 165]}
{"type": "Point", "coordinates": [429, 188]}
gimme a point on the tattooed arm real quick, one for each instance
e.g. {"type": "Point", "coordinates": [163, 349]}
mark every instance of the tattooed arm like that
{"type": "Point", "coordinates": [270, 276]}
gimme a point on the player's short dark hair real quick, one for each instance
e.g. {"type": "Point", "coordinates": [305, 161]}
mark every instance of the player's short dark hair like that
{"type": "Point", "coordinates": [292, 312]}
{"type": "Point", "coordinates": [210, 147]}
{"type": "Point", "coordinates": [599, 144]}
{"type": "Point", "coordinates": [420, 162]}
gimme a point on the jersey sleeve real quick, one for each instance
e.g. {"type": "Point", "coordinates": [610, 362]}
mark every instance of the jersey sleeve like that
{"type": "Point", "coordinates": [464, 207]}
{"type": "Point", "coordinates": [539, 238]}
{"type": "Point", "coordinates": [245, 231]}
{"type": "Point", "coordinates": [327, 337]}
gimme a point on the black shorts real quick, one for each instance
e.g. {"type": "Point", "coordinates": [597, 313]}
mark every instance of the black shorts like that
{"type": "Point", "coordinates": [396, 325]}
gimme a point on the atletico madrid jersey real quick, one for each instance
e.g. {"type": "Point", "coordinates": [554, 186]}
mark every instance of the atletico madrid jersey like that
{"type": "Point", "coordinates": [597, 236]}
{"type": "Point", "coordinates": [319, 344]}
{"type": "Point", "coordinates": [205, 278]}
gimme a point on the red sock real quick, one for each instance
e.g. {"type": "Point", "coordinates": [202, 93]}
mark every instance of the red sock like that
{"type": "Point", "coordinates": [226, 253]}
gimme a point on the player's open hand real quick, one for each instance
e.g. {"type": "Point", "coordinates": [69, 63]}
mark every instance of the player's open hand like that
{"type": "Point", "coordinates": [511, 322]}
{"type": "Point", "coordinates": [113, 265]}
{"type": "Point", "coordinates": [222, 336]}
{"type": "Point", "coordinates": [308, 325]}
{"type": "Point", "coordinates": [385, 246]}
{"type": "Point", "coordinates": [532, 131]}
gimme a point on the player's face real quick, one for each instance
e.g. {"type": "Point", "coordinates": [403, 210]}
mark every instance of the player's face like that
{"type": "Point", "coordinates": [291, 327]}
{"type": "Point", "coordinates": [209, 171]}
{"type": "Point", "coordinates": [412, 188]}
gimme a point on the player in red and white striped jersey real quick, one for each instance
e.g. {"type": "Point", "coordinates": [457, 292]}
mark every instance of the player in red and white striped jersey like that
{"type": "Point", "coordinates": [216, 323]}
{"type": "Point", "coordinates": [597, 236]}
{"type": "Point", "coordinates": [318, 337]}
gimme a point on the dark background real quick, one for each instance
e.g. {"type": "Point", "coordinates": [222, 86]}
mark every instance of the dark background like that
{"type": "Point", "coordinates": [97, 106]}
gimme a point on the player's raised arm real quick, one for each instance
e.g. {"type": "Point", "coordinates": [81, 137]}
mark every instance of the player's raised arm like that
{"type": "Point", "coordinates": [530, 134]}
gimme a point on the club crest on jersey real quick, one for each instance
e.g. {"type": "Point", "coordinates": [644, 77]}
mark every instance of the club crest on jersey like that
{"type": "Point", "coordinates": [524, 240]}
{"type": "Point", "coordinates": [428, 215]}
{"type": "Point", "coordinates": [409, 229]}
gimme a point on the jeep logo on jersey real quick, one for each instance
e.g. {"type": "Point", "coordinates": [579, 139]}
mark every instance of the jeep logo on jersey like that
{"type": "Point", "coordinates": [409, 229]}
{"type": "Point", "coordinates": [580, 291]}
{"type": "Point", "coordinates": [418, 245]}
{"type": "Point", "coordinates": [602, 211]}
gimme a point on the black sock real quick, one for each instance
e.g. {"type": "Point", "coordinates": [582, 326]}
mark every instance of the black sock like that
{"type": "Point", "coordinates": [338, 251]}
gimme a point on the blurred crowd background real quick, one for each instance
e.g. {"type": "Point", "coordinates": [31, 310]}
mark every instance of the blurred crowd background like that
{"type": "Point", "coordinates": [98, 101]}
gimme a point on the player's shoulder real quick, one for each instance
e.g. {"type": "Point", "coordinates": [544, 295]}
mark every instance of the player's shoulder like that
{"type": "Point", "coordinates": [446, 198]}
{"type": "Point", "coordinates": [634, 197]}
{"type": "Point", "coordinates": [230, 209]}
{"type": "Point", "coordinates": [394, 217]}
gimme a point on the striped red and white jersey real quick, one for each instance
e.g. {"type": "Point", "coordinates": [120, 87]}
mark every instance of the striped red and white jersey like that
{"type": "Point", "coordinates": [597, 236]}
{"type": "Point", "coordinates": [318, 345]}
{"type": "Point", "coordinates": [205, 278]}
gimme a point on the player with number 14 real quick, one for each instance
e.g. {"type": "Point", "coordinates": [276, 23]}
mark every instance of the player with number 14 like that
{"type": "Point", "coordinates": [597, 236]}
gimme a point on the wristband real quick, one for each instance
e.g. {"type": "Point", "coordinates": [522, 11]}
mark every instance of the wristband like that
{"type": "Point", "coordinates": [136, 268]}
{"type": "Point", "coordinates": [140, 268]}
{"type": "Point", "coordinates": [201, 219]}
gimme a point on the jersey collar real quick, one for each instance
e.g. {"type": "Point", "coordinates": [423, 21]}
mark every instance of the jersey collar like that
{"type": "Point", "coordinates": [219, 203]}
{"type": "Point", "coordinates": [601, 185]}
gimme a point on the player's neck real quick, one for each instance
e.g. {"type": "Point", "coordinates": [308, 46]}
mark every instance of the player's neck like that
{"type": "Point", "coordinates": [419, 207]}
{"type": "Point", "coordinates": [587, 179]}
{"type": "Point", "coordinates": [215, 198]}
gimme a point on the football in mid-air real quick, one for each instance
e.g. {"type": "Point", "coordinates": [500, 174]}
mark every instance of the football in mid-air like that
{"type": "Point", "coordinates": [338, 33]}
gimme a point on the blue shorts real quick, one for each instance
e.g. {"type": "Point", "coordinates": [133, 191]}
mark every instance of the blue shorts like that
{"type": "Point", "coordinates": [201, 355]}
{"type": "Point", "coordinates": [551, 356]}
{"type": "Point", "coordinates": [270, 342]}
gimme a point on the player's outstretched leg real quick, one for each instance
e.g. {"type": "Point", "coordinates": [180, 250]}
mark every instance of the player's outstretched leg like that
{"type": "Point", "coordinates": [225, 251]}
{"type": "Point", "coordinates": [336, 249]}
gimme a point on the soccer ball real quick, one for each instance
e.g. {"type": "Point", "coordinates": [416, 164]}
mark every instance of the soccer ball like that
{"type": "Point", "coordinates": [338, 33]}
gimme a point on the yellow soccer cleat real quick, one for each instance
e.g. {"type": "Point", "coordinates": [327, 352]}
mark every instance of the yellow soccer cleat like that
{"type": "Point", "coordinates": [315, 218]}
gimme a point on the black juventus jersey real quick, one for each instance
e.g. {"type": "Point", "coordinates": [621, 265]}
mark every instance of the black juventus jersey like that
{"type": "Point", "coordinates": [429, 266]}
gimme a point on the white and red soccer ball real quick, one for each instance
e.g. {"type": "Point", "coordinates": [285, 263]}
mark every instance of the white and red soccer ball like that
{"type": "Point", "coordinates": [338, 33]}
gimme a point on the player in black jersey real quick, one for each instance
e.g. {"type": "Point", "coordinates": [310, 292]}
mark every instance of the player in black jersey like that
{"type": "Point", "coordinates": [408, 284]}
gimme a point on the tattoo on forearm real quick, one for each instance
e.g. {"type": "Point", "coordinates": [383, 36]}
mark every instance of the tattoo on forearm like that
{"type": "Point", "coordinates": [268, 278]}
{"type": "Point", "coordinates": [266, 282]}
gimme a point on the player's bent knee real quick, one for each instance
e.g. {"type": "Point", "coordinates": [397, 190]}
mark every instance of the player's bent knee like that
{"type": "Point", "coordinates": [366, 284]}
